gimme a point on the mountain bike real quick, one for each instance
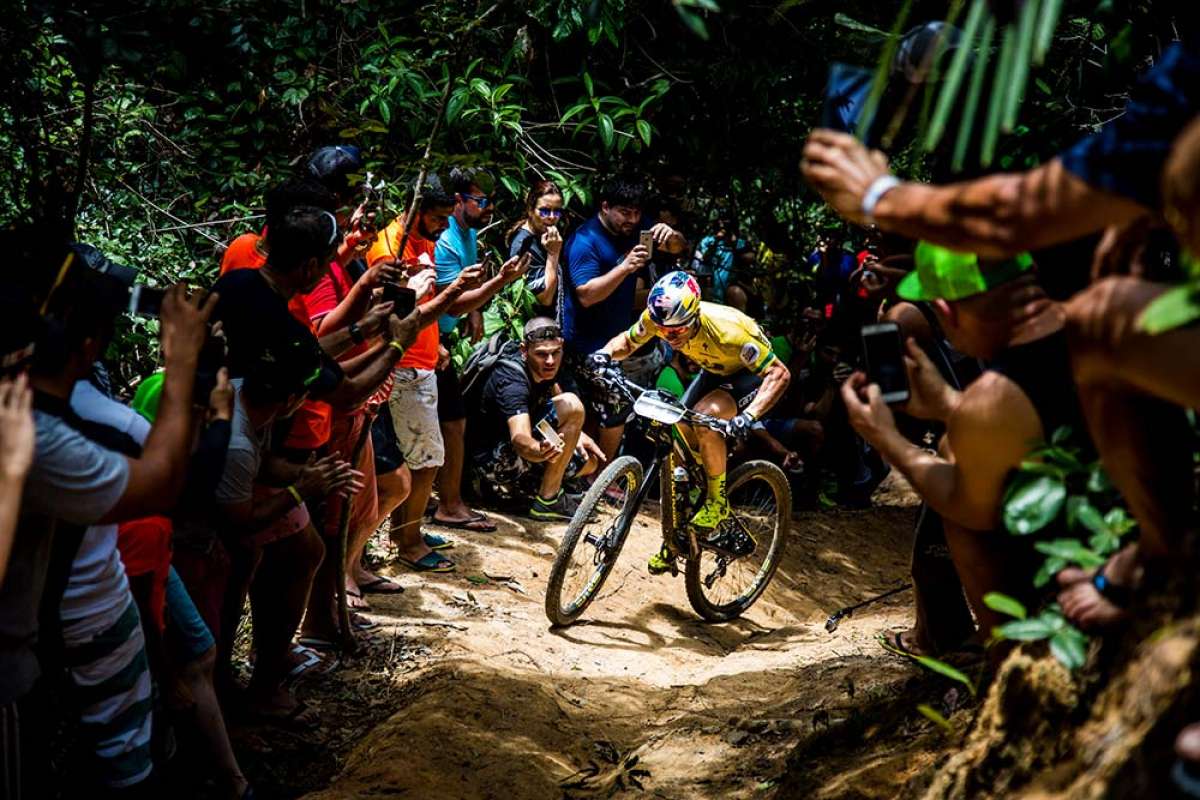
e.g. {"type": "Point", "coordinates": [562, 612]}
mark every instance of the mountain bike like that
{"type": "Point", "coordinates": [726, 569]}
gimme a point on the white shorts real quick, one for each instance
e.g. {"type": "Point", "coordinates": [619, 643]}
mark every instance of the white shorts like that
{"type": "Point", "coordinates": [413, 405]}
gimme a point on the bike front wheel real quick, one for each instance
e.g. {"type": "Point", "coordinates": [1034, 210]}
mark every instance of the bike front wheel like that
{"type": "Point", "coordinates": [593, 541]}
{"type": "Point", "coordinates": [735, 563]}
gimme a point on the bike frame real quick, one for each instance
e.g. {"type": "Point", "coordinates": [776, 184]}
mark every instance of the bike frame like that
{"type": "Point", "coordinates": [669, 439]}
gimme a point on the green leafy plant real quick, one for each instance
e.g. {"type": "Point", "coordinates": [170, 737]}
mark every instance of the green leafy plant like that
{"type": "Point", "coordinates": [1054, 488]}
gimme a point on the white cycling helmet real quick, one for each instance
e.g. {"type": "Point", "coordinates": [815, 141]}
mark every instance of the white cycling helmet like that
{"type": "Point", "coordinates": [674, 300]}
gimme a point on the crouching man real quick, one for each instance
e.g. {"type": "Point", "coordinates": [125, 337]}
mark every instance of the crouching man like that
{"type": "Point", "coordinates": [511, 397]}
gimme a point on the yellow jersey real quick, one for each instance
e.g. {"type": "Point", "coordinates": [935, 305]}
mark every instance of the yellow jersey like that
{"type": "Point", "coordinates": [728, 341]}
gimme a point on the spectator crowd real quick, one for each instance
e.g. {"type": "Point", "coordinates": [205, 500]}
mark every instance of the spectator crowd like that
{"type": "Point", "coordinates": [311, 393]}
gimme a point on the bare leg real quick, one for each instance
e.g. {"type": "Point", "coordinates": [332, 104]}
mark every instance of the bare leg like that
{"type": "Point", "coordinates": [278, 596]}
{"type": "Point", "coordinates": [406, 520]}
{"type": "Point", "coordinates": [986, 561]}
{"type": "Point", "coordinates": [449, 481]}
{"type": "Point", "coordinates": [570, 422]}
{"type": "Point", "coordinates": [609, 441]}
{"type": "Point", "coordinates": [197, 677]}
{"type": "Point", "coordinates": [717, 403]}
{"type": "Point", "coordinates": [1118, 371]}
{"type": "Point", "coordinates": [393, 488]}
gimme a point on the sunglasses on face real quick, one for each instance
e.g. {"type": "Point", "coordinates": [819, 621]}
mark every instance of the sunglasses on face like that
{"type": "Point", "coordinates": [674, 330]}
{"type": "Point", "coordinates": [554, 213]}
{"type": "Point", "coordinates": [480, 199]}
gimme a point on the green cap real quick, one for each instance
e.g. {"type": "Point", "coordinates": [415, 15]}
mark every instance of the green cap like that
{"type": "Point", "coordinates": [943, 274]}
{"type": "Point", "coordinates": [149, 392]}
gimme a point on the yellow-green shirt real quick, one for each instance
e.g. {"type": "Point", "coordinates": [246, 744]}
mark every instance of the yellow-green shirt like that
{"type": "Point", "coordinates": [728, 341]}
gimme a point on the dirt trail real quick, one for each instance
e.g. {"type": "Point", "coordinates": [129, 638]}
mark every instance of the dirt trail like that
{"type": "Point", "coordinates": [504, 707]}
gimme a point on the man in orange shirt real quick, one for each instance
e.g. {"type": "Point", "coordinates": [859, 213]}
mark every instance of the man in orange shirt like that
{"type": "Point", "coordinates": [412, 406]}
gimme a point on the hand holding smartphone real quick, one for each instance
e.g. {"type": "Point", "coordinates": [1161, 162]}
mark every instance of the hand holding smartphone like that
{"type": "Point", "coordinates": [646, 240]}
{"type": "Point", "coordinates": [549, 434]}
{"type": "Point", "coordinates": [883, 349]}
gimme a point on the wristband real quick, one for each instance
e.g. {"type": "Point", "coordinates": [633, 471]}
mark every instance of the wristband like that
{"type": "Point", "coordinates": [296, 494]}
{"type": "Point", "coordinates": [356, 334]}
{"type": "Point", "coordinates": [875, 192]}
{"type": "Point", "coordinates": [399, 347]}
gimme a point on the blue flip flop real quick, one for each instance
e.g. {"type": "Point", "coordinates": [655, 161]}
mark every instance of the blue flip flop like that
{"type": "Point", "coordinates": [430, 562]}
{"type": "Point", "coordinates": [435, 542]}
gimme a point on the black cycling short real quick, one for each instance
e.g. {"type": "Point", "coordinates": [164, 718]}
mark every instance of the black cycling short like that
{"type": "Point", "coordinates": [741, 385]}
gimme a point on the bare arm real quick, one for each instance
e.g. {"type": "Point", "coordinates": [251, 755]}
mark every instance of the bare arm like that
{"type": "Point", "coordinates": [995, 216]}
{"type": "Point", "coordinates": [600, 287]}
{"type": "Point", "coordinates": [473, 294]}
{"type": "Point", "coordinates": [16, 456]}
{"type": "Point", "coordinates": [620, 347]}
{"type": "Point", "coordinates": [156, 479]}
{"type": "Point", "coordinates": [989, 433]}
{"type": "Point", "coordinates": [774, 384]}
{"type": "Point", "coordinates": [528, 447]}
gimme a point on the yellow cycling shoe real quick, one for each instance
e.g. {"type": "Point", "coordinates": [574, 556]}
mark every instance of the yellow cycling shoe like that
{"type": "Point", "coordinates": [711, 514]}
{"type": "Point", "coordinates": [661, 562]}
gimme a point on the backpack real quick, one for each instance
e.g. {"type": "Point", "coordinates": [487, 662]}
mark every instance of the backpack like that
{"type": "Point", "coordinates": [484, 358]}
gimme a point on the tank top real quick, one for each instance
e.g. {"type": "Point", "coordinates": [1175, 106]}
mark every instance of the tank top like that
{"type": "Point", "coordinates": [1042, 368]}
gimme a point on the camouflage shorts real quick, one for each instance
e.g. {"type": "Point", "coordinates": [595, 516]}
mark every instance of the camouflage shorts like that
{"type": "Point", "coordinates": [502, 474]}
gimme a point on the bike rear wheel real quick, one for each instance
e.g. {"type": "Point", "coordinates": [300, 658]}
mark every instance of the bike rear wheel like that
{"type": "Point", "coordinates": [722, 585]}
{"type": "Point", "coordinates": [593, 541]}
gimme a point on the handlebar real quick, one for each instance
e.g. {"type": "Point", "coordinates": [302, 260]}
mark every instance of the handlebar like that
{"type": "Point", "coordinates": [616, 379]}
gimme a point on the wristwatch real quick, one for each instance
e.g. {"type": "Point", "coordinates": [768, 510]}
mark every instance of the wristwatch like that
{"type": "Point", "coordinates": [356, 334]}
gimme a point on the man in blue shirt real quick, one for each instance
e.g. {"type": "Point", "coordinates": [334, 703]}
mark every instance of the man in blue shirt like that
{"type": "Point", "coordinates": [458, 248]}
{"type": "Point", "coordinates": [603, 260]}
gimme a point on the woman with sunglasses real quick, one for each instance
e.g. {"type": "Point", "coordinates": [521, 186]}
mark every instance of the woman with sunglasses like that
{"type": "Point", "coordinates": [538, 233]}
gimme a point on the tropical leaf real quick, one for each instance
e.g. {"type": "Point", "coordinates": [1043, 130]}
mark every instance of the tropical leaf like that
{"type": "Point", "coordinates": [1069, 646]}
{"type": "Point", "coordinates": [1004, 604]}
{"type": "Point", "coordinates": [1032, 503]}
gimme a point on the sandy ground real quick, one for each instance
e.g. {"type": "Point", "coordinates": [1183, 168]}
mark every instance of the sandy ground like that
{"type": "Point", "coordinates": [493, 703]}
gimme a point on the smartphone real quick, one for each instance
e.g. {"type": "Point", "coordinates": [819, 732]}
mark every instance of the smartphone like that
{"type": "Point", "coordinates": [404, 300]}
{"type": "Point", "coordinates": [548, 433]}
{"type": "Point", "coordinates": [490, 267]}
{"type": "Point", "coordinates": [146, 301]}
{"type": "Point", "coordinates": [646, 240]}
{"type": "Point", "coordinates": [884, 352]}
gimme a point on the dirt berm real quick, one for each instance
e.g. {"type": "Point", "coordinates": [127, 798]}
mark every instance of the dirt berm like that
{"type": "Point", "coordinates": [641, 693]}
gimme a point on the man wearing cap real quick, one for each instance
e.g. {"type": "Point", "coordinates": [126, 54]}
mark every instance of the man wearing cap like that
{"type": "Point", "coordinates": [995, 311]}
{"type": "Point", "coordinates": [512, 399]}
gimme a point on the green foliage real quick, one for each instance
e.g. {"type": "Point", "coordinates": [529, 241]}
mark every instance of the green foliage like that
{"type": "Point", "coordinates": [1055, 489]}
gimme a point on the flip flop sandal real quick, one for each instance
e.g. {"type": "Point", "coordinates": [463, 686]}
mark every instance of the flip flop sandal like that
{"type": "Point", "coordinates": [376, 586]}
{"type": "Point", "coordinates": [294, 719]}
{"type": "Point", "coordinates": [477, 523]}
{"type": "Point", "coordinates": [435, 542]}
{"type": "Point", "coordinates": [430, 562]}
{"type": "Point", "coordinates": [361, 623]}
{"type": "Point", "coordinates": [319, 644]}
{"type": "Point", "coordinates": [309, 658]}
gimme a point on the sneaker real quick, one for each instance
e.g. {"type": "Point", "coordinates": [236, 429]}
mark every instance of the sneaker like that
{"type": "Point", "coordinates": [711, 514]}
{"type": "Point", "coordinates": [662, 561]}
{"type": "Point", "coordinates": [561, 508]}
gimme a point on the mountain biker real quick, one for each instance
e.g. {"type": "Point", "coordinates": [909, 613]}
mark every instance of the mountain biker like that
{"type": "Point", "coordinates": [741, 377]}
